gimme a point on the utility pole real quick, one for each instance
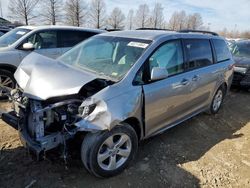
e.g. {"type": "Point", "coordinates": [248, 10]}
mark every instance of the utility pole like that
{"type": "Point", "coordinates": [1, 9]}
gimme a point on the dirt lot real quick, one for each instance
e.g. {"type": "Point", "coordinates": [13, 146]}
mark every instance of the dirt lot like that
{"type": "Point", "coordinates": [206, 151]}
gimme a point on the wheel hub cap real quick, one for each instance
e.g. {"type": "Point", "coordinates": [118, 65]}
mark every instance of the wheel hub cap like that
{"type": "Point", "coordinates": [114, 151]}
{"type": "Point", "coordinates": [217, 100]}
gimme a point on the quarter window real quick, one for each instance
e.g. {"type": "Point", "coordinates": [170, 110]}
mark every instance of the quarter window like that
{"type": "Point", "coordinates": [222, 51]}
{"type": "Point", "coordinates": [199, 53]}
{"type": "Point", "coordinates": [168, 56]}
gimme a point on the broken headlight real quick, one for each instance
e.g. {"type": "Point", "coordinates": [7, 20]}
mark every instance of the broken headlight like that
{"type": "Point", "coordinates": [86, 110]}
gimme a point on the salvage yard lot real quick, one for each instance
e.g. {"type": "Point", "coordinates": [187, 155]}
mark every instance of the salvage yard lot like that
{"type": "Point", "coordinates": [205, 151]}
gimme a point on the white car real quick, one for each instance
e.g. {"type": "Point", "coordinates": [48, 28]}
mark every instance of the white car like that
{"type": "Point", "coordinates": [51, 41]}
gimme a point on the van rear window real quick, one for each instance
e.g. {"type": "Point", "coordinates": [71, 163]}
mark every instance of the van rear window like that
{"type": "Point", "coordinates": [221, 49]}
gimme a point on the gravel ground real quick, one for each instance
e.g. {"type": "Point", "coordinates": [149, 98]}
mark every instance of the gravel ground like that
{"type": "Point", "coordinates": [205, 151]}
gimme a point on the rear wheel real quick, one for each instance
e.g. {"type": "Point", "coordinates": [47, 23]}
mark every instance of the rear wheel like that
{"type": "Point", "coordinates": [217, 100]}
{"type": "Point", "coordinates": [7, 80]}
{"type": "Point", "coordinates": [108, 153]}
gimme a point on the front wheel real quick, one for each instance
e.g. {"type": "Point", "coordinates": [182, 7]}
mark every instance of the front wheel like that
{"type": "Point", "coordinates": [108, 153]}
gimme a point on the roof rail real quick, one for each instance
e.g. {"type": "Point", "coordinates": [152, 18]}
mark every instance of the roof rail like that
{"type": "Point", "coordinates": [110, 30]}
{"type": "Point", "coordinates": [149, 28]}
{"type": "Point", "coordinates": [198, 31]}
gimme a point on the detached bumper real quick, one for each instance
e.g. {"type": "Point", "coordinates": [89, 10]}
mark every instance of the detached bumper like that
{"type": "Point", "coordinates": [32, 146]}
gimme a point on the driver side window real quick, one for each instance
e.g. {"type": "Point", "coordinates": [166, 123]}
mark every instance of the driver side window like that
{"type": "Point", "coordinates": [168, 56]}
{"type": "Point", "coordinates": [43, 40]}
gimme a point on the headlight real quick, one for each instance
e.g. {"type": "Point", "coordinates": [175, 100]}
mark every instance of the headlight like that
{"type": "Point", "coordinates": [88, 109]}
{"type": "Point", "coordinates": [241, 70]}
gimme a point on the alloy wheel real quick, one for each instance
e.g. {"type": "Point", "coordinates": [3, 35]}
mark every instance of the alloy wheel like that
{"type": "Point", "coordinates": [7, 83]}
{"type": "Point", "coordinates": [217, 100]}
{"type": "Point", "coordinates": [114, 151]}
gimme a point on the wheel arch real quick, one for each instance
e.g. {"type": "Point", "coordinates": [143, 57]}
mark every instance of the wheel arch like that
{"type": "Point", "coordinates": [136, 125]}
{"type": "Point", "coordinates": [10, 68]}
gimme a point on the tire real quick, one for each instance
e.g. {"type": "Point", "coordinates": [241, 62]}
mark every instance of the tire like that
{"type": "Point", "coordinates": [8, 80]}
{"type": "Point", "coordinates": [217, 101]}
{"type": "Point", "coordinates": [97, 145]}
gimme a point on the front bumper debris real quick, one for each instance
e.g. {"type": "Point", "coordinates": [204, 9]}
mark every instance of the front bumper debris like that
{"type": "Point", "coordinates": [11, 119]}
{"type": "Point", "coordinates": [35, 147]}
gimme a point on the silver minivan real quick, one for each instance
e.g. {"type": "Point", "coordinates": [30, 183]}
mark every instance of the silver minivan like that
{"type": "Point", "coordinates": [116, 89]}
{"type": "Point", "coordinates": [51, 41]}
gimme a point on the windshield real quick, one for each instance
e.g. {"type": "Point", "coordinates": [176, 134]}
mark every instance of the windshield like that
{"type": "Point", "coordinates": [12, 36]}
{"type": "Point", "coordinates": [240, 49]}
{"type": "Point", "coordinates": [110, 57]}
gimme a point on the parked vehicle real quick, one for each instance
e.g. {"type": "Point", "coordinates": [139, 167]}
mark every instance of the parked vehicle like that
{"type": "Point", "coordinates": [4, 30]}
{"type": "Point", "coordinates": [241, 54]}
{"type": "Point", "coordinates": [116, 89]}
{"type": "Point", "coordinates": [51, 41]}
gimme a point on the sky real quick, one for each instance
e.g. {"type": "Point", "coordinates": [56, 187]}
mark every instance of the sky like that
{"type": "Point", "coordinates": [217, 14]}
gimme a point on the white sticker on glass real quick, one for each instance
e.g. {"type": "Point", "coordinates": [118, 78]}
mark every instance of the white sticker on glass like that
{"type": "Point", "coordinates": [20, 33]}
{"type": "Point", "coordinates": [138, 44]}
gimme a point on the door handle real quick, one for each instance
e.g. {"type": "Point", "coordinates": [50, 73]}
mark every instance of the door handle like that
{"type": "Point", "coordinates": [184, 82]}
{"type": "Point", "coordinates": [196, 78]}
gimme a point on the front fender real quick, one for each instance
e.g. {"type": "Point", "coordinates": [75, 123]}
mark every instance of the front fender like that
{"type": "Point", "coordinates": [114, 111]}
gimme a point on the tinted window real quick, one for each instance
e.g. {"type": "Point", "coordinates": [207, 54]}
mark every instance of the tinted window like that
{"type": "Point", "coordinates": [71, 38]}
{"type": "Point", "coordinates": [43, 40]}
{"type": "Point", "coordinates": [168, 56]}
{"type": "Point", "coordinates": [199, 53]}
{"type": "Point", "coordinates": [222, 52]}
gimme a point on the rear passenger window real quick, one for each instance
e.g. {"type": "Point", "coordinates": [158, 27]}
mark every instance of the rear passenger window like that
{"type": "Point", "coordinates": [71, 38]}
{"type": "Point", "coordinates": [222, 51]}
{"type": "Point", "coordinates": [199, 53]}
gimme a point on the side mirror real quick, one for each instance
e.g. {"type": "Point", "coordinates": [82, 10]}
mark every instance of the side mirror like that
{"type": "Point", "coordinates": [28, 46]}
{"type": "Point", "coordinates": [158, 73]}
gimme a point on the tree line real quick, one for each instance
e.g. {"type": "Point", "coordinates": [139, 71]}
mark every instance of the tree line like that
{"type": "Point", "coordinates": [94, 14]}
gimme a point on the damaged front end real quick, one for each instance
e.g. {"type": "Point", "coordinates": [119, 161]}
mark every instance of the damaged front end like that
{"type": "Point", "coordinates": [44, 125]}
{"type": "Point", "coordinates": [49, 110]}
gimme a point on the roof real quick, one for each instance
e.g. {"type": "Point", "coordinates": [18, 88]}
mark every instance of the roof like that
{"type": "Point", "coordinates": [153, 34]}
{"type": "Point", "coordinates": [4, 22]}
{"type": "Point", "coordinates": [61, 27]}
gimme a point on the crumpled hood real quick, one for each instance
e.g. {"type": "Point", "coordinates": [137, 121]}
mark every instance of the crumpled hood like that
{"type": "Point", "coordinates": [41, 77]}
{"type": "Point", "coordinates": [242, 61]}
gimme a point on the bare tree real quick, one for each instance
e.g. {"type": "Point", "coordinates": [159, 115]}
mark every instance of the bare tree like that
{"type": "Point", "coordinates": [142, 16]}
{"type": "Point", "coordinates": [157, 18]}
{"type": "Point", "coordinates": [116, 19]}
{"type": "Point", "coordinates": [174, 21]}
{"type": "Point", "coordinates": [97, 13]}
{"type": "Point", "coordinates": [130, 18]}
{"type": "Point", "coordinates": [76, 12]}
{"type": "Point", "coordinates": [22, 10]}
{"type": "Point", "coordinates": [180, 20]}
{"type": "Point", "coordinates": [51, 11]}
{"type": "Point", "coordinates": [194, 21]}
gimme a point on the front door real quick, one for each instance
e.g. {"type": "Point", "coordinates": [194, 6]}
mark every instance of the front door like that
{"type": "Point", "coordinates": [167, 100]}
{"type": "Point", "coordinates": [45, 43]}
